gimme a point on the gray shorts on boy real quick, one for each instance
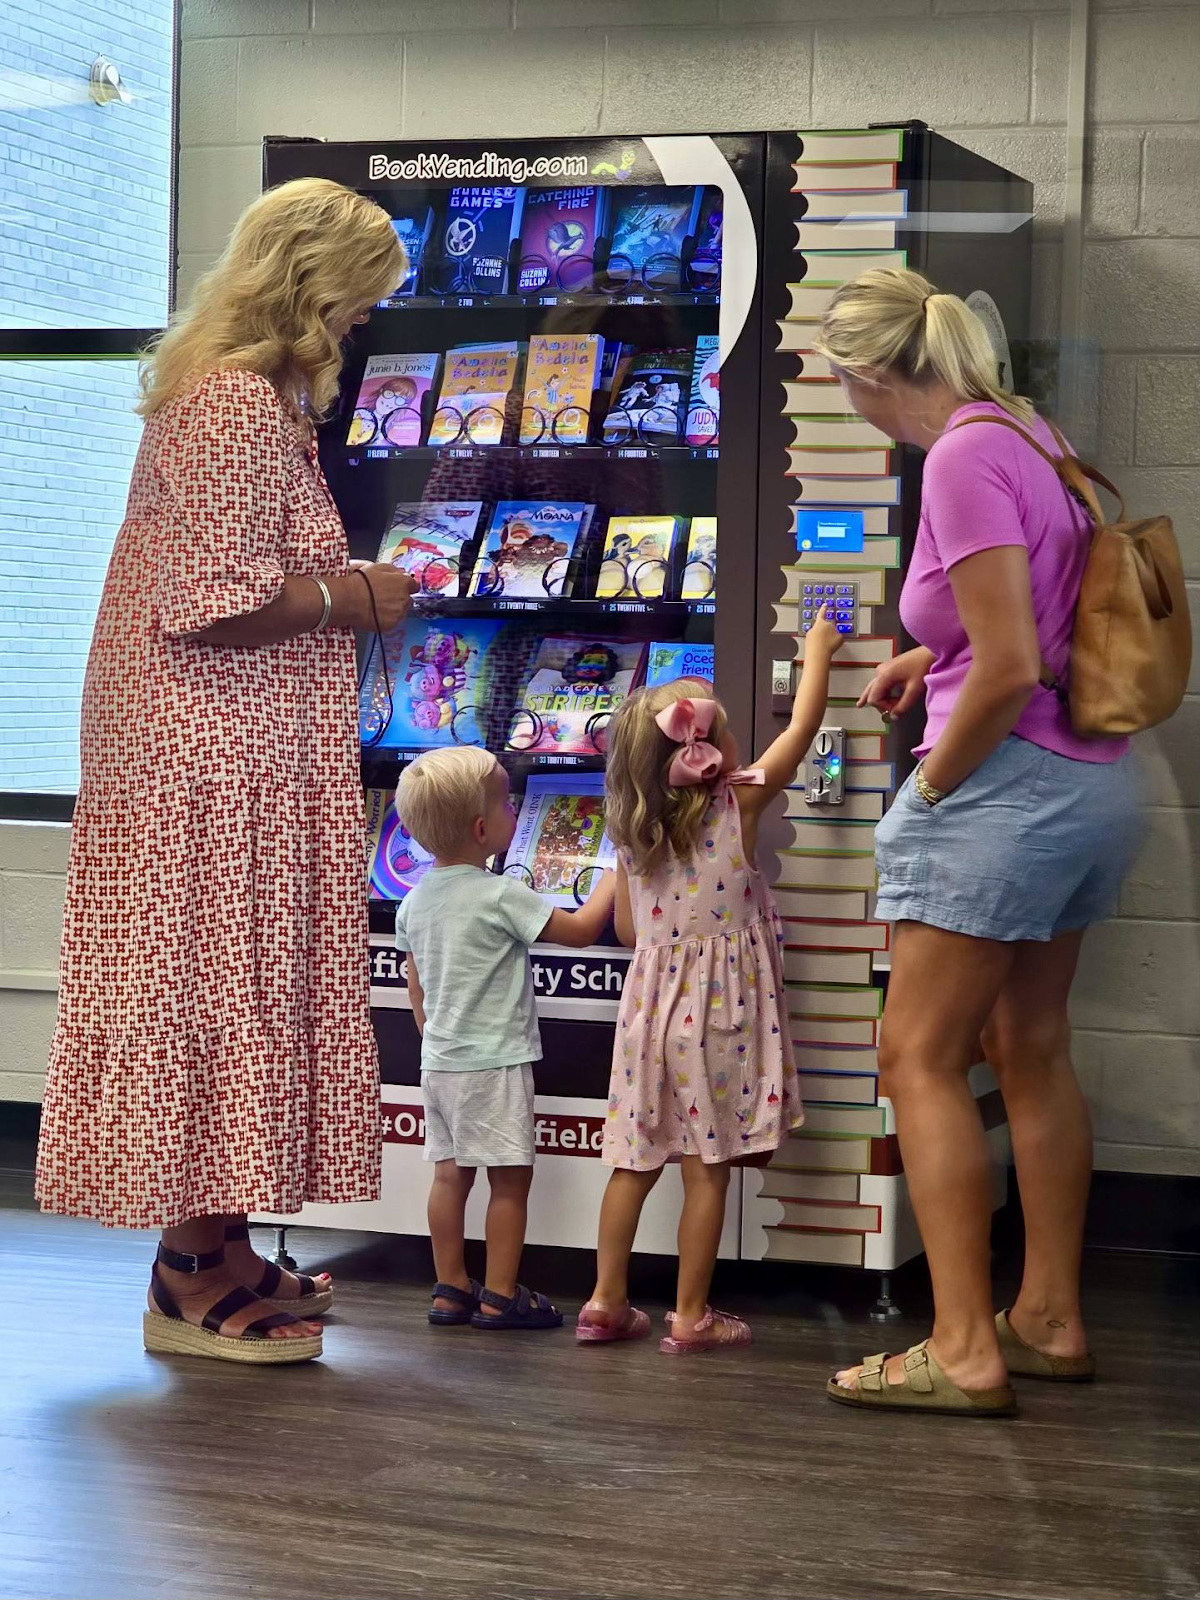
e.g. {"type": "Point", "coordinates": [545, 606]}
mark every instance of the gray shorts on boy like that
{"type": "Point", "coordinates": [481, 1118]}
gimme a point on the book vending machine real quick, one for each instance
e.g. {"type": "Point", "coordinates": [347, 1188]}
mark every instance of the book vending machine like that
{"type": "Point", "coordinates": [838, 510]}
{"type": "Point", "coordinates": [588, 424]}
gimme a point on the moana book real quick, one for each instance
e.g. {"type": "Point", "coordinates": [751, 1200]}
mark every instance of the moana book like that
{"type": "Point", "coordinates": [530, 549]}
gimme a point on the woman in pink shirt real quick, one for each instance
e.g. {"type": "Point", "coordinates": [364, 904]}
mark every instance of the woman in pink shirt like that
{"type": "Point", "coordinates": [1005, 844]}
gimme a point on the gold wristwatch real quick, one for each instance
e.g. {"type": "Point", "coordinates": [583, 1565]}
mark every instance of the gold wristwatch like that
{"type": "Point", "coordinates": [925, 789]}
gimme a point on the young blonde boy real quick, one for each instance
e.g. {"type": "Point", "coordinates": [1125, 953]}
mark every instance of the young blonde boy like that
{"type": "Point", "coordinates": [467, 932]}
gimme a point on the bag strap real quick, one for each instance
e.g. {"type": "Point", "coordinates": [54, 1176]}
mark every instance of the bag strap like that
{"type": "Point", "coordinates": [1076, 476]}
{"type": "Point", "coordinates": [1076, 485]}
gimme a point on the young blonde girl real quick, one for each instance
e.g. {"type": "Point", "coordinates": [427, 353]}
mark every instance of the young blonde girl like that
{"type": "Point", "coordinates": [702, 1064]}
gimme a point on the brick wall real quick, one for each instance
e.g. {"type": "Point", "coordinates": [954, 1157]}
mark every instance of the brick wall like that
{"type": "Point", "coordinates": [69, 437]}
{"type": "Point", "coordinates": [86, 189]}
{"type": "Point", "coordinates": [991, 74]}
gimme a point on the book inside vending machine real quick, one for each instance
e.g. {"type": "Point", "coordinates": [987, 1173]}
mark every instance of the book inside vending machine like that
{"type": "Point", "coordinates": [591, 425]}
{"type": "Point", "coordinates": [553, 425]}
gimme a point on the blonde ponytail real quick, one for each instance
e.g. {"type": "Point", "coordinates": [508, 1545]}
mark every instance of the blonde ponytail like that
{"type": "Point", "coordinates": [894, 321]}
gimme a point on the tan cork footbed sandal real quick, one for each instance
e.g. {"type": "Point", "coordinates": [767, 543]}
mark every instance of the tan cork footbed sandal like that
{"type": "Point", "coordinates": [925, 1388]}
{"type": "Point", "coordinates": [1023, 1361]}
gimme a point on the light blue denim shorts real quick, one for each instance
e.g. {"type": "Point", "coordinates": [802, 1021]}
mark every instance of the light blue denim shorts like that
{"type": "Point", "coordinates": [1031, 846]}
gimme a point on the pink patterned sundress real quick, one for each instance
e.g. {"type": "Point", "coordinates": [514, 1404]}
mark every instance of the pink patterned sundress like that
{"type": "Point", "coordinates": [213, 1053]}
{"type": "Point", "coordinates": [702, 1064]}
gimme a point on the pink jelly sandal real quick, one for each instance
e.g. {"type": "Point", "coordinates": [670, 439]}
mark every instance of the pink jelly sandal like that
{"type": "Point", "coordinates": [716, 1330]}
{"type": "Point", "coordinates": [596, 1325]}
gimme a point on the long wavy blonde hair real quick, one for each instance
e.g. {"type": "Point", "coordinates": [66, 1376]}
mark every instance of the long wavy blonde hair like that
{"type": "Point", "coordinates": [890, 320]}
{"type": "Point", "coordinates": [643, 814]}
{"type": "Point", "coordinates": [303, 260]}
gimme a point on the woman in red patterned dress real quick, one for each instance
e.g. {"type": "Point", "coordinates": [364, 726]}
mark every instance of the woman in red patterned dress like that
{"type": "Point", "coordinates": [214, 1054]}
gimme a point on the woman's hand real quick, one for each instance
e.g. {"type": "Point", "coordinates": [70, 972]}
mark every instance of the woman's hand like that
{"type": "Point", "coordinates": [392, 591]}
{"type": "Point", "coordinates": [898, 684]}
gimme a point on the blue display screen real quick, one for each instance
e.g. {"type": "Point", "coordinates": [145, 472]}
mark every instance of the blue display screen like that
{"type": "Point", "coordinates": [828, 531]}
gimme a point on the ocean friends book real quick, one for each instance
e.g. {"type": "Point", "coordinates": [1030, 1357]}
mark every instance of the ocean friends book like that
{"type": "Point", "coordinates": [667, 662]}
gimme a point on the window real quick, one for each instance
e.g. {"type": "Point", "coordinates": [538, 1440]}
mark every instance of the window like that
{"type": "Point", "coordinates": [87, 140]}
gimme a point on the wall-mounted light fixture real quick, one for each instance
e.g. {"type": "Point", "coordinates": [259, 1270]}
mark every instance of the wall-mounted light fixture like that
{"type": "Point", "coordinates": [104, 83]}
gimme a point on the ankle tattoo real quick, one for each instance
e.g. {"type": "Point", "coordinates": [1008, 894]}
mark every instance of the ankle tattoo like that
{"type": "Point", "coordinates": [1051, 1323]}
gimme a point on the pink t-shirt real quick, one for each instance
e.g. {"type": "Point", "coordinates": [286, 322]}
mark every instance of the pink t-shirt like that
{"type": "Point", "coordinates": [984, 487]}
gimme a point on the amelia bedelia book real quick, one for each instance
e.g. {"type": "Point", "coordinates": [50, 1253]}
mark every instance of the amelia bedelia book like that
{"type": "Point", "coordinates": [397, 862]}
{"type": "Point", "coordinates": [560, 840]}
{"type": "Point", "coordinates": [478, 379]}
{"type": "Point", "coordinates": [530, 547]}
{"type": "Point", "coordinates": [427, 538]}
{"type": "Point", "coordinates": [703, 424]}
{"type": "Point", "coordinates": [560, 383]}
{"type": "Point", "coordinates": [558, 239]}
{"type": "Point", "coordinates": [388, 410]}
{"type": "Point", "coordinates": [652, 222]}
{"type": "Point", "coordinates": [700, 563]}
{"type": "Point", "coordinates": [650, 391]}
{"type": "Point", "coordinates": [441, 682]}
{"type": "Point", "coordinates": [413, 229]}
{"type": "Point", "coordinates": [667, 662]}
{"type": "Point", "coordinates": [636, 562]}
{"type": "Point", "coordinates": [479, 228]}
{"type": "Point", "coordinates": [576, 684]}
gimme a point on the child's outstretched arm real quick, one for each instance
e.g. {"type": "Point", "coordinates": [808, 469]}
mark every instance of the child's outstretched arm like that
{"type": "Point", "coordinates": [583, 927]}
{"type": "Point", "coordinates": [782, 759]}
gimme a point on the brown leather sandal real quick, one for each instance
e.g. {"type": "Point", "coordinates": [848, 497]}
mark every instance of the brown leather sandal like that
{"type": "Point", "coordinates": [165, 1331]}
{"type": "Point", "coordinates": [1025, 1361]}
{"type": "Point", "coordinates": [311, 1302]}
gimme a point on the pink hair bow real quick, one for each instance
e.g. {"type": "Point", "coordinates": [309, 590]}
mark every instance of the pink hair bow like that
{"type": "Point", "coordinates": [688, 722]}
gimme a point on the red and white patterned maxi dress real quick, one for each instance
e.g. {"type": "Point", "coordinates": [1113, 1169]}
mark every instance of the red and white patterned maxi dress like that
{"type": "Point", "coordinates": [213, 1051]}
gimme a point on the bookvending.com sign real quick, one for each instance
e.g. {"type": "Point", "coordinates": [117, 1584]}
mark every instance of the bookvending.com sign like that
{"type": "Point", "coordinates": [568, 983]}
{"type": "Point", "coordinates": [436, 165]}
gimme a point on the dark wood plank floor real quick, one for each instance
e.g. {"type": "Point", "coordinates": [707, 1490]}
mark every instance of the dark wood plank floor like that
{"type": "Point", "coordinates": [414, 1462]}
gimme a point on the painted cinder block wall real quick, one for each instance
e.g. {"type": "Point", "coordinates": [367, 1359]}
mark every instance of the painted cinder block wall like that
{"type": "Point", "coordinates": [989, 74]}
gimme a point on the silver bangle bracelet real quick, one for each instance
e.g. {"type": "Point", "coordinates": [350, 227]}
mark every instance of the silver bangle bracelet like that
{"type": "Point", "coordinates": [326, 609]}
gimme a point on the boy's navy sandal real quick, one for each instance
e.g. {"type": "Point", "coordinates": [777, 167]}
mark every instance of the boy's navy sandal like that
{"type": "Point", "coordinates": [525, 1310]}
{"type": "Point", "coordinates": [467, 1300]}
